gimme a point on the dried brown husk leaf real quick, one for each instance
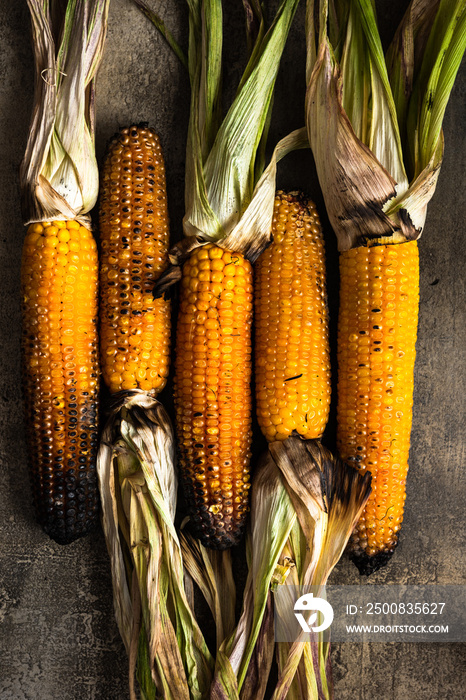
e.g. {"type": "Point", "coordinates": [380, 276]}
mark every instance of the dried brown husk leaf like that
{"type": "Point", "coordinates": [252, 234]}
{"type": "Point", "coordinates": [248, 652]}
{"type": "Point", "coordinates": [304, 505]}
{"type": "Point", "coordinates": [212, 571]}
{"type": "Point", "coordinates": [59, 173]}
{"type": "Point", "coordinates": [138, 489]}
{"type": "Point", "coordinates": [355, 185]}
{"type": "Point", "coordinates": [328, 497]}
{"type": "Point", "coordinates": [374, 122]}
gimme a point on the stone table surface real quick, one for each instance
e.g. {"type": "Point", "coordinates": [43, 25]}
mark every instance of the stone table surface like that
{"type": "Point", "coordinates": [58, 637]}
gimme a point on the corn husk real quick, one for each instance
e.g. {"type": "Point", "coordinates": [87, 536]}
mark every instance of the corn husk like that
{"type": "Point", "coordinates": [304, 506]}
{"type": "Point", "coordinates": [229, 193]}
{"type": "Point", "coordinates": [212, 571]}
{"type": "Point", "coordinates": [59, 174]}
{"type": "Point", "coordinates": [138, 487]}
{"type": "Point", "coordinates": [374, 123]}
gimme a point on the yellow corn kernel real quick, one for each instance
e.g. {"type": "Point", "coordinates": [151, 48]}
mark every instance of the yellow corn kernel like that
{"type": "Point", "coordinates": [134, 233]}
{"type": "Point", "coordinates": [60, 381]}
{"type": "Point", "coordinates": [213, 394]}
{"type": "Point", "coordinates": [292, 366]}
{"type": "Point", "coordinates": [377, 327]}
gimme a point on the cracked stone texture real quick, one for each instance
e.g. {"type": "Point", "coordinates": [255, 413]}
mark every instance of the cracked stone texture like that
{"type": "Point", "coordinates": [58, 636]}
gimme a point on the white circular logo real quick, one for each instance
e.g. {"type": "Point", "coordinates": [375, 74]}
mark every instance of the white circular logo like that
{"type": "Point", "coordinates": [310, 604]}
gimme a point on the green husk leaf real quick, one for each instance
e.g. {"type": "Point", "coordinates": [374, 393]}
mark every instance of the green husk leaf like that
{"type": "Point", "coordinates": [59, 174]}
{"type": "Point", "coordinates": [370, 120]}
{"type": "Point", "coordinates": [253, 230]}
{"type": "Point", "coordinates": [260, 663]}
{"type": "Point", "coordinates": [368, 84]}
{"type": "Point", "coordinates": [225, 685]}
{"type": "Point", "coordinates": [223, 157]}
{"type": "Point", "coordinates": [402, 58]}
{"type": "Point", "coordinates": [255, 30]}
{"type": "Point", "coordinates": [433, 84]}
{"type": "Point", "coordinates": [158, 22]}
{"type": "Point", "coordinates": [360, 185]}
{"type": "Point", "coordinates": [138, 490]}
{"type": "Point", "coordinates": [272, 517]}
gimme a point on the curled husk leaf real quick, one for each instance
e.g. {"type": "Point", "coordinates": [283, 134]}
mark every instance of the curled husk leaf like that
{"type": "Point", "coordinates": [374, 125]}
{"type": "Point", "coordinates": [304, 506]}
{"type": "Point", "coordinates": [59, 174]}
{"type": "Point", "coordinates": [253, 232]}
{"type": "Point", "coordinates": [229, 193]}
{"type": "Point", "coordinates": [138, 486]}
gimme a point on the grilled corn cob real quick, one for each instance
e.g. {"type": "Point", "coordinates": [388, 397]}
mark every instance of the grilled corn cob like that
{"type": "Point", "coordinates": [135, 327]}
{"type": "Point", "coordinates": [60, 374]}
{"type": "Point", "coordinates": [292, 364]}
{"type": "Point", "coordinates": [374, 121]}
{"type": "Point", "coordinates": [212, 391]}
{"type": "Point", "coordinates": [229, 199]}
{"type": "Point", "coordinates": [377, 328]}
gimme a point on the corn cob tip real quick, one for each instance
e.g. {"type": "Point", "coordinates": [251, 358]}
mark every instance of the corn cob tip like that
{"type": "Point", "coordinates": [210, 528]}
{"type": "Point", "coordinates": [124, 131]}
{"type": "Point", "coordinates": [367, 565]}
{"type": "Point", "coordinates": [62, 533]}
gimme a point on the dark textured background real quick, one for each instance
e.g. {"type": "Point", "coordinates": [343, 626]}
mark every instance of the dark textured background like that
{"type": "Point", "coordinates": [58, 638]}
